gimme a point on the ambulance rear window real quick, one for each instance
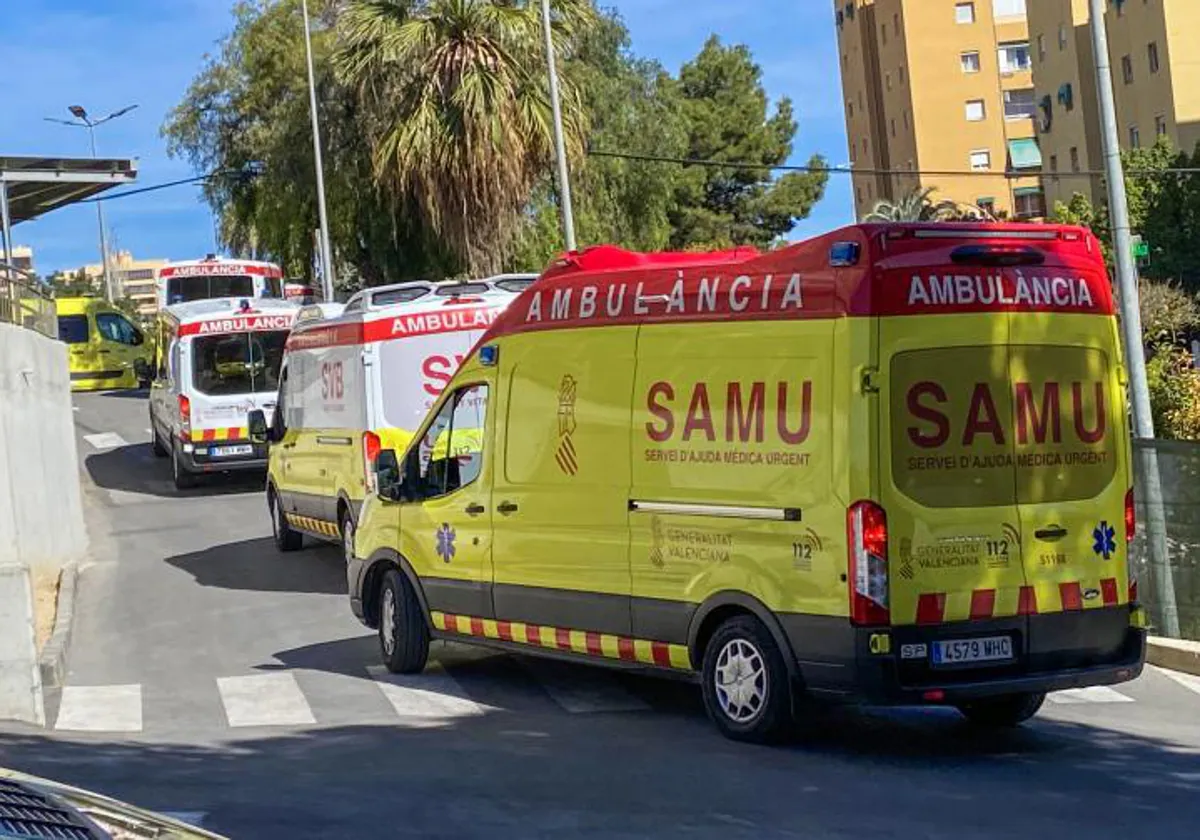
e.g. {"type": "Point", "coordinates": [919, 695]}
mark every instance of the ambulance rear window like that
{"type": "Point", "coordinates": [238, 363]}
{"type": "Point", "coordinates": [394, 296]}
{"type": "Point", "coordinates": [516, 284]}
{"type": "Point", "coordinates": [73, 329]}
{"type": "Point", "coordinates": [188, 289]}
{"type": "Point", "coordinates": [460, 289]}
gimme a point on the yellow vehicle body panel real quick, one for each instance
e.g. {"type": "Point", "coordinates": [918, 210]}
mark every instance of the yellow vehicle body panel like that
{"type": "Point", "coordinates": [97, 362]}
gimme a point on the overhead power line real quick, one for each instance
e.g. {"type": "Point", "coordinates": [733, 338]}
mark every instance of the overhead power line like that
{"type": "Point", "coordinates": [858, 170]}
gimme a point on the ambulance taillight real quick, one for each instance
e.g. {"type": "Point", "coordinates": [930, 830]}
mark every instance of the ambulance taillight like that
{"type": "Point", "coordinates": [185, 418]}
{"type": "Point", "coordinates": [866, 532]}
{"type": "Point", "coordinates": [371, 447]}
{"type": "Point", "coordinates": [1130, 533]}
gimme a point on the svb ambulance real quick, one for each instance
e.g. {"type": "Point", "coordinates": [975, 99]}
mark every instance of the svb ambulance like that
{"type": "Point", "coordinates": [217, 361]}
{"type": "Point", "coordinates": [360, 381]}
{"type": "Point", "coordinates": [887, 465]}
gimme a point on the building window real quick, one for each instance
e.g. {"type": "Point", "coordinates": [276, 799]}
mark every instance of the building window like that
{"type": "Point", "coordinates": [1008, 9]}
{"type": "Point", "coordinates": [975, 110]}
{"type": "Point", "coordinates": [1030, 205]}
{"type": "Point", "coordinates": [1135, 137]}
{"type": "Point", "coordinates": [1160, 126]}
{"type": "Point", "coordinates": [850, 109]}
{"type": "Point", "coordinates": [902, 74]}
{"type": "Point", "coordinates": [864, 145]}
{"type": "Point", "coordinates": [1062, 36]}
{"type": "Point", "coordinates": [887, 80]}
{"type": "Point", "coordinates": [1041, 47]}
{"type": "Point", "coordinates": [1074, 159]}
{"type": "Point", "coordinates": [896, 23]}
{"type": "Point", "coordinates": [1014, 57]}
{"type": "Point", "coordinates": [858, 193]}
{"type": "Point", "coordinates": [1127, 69]}
{"type": "Point", "coordinates": [1152, 50]}
{"type": "Point", "coordinates": [906, 120]}
{"type": "Point", "coordinates": [987, 205]}
{"type": "Point", "coordinates": [970, 62]}
{"type": "Point", "coordinates": [981, 160]}
{"type": "Point", "coordinates": [964, 12]}
{"type": "Point", "coordinates": [883, 34]}
{"type": "Point", "coordinates": [893, 122]}
{"type": "Point", "coordinates": [1020, 104]}
{"type": "Point", "coordinates": [1053, 163]}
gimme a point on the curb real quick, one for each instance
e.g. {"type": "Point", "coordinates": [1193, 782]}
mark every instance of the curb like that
{"type": "Point", "coordinates": [1175, 654]}
{"type": "Point", "coordinates": [53, 661]}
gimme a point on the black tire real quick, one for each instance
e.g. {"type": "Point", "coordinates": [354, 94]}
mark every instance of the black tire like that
{"type": "Point", "coordinates": [346, 530]}
{"type": "Point", "coordinates": [160, 451]}
{"type": "Point", "coordinates": [286, 539]}
{"type": "Point", "coordinates": [403, 634]}
{"type": "Point", "coordinates": [758, 710]}
{"type": "Point", "coordinates": [184, 480]}
{"type": "Point", "coordinates": [1002, 712]}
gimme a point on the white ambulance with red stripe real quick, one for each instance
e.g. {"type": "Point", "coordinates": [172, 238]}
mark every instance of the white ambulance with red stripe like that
{"type": "Point", "coordinates": [361, 381]}
{"type": "Point", "coordinates": [216, 277]}
{"type": "Point", "coordinates": [217, 360]}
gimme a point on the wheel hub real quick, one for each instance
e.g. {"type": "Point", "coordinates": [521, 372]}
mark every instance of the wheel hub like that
{"type": "Point", "coordinates": [741, 681]}
{"type": "Point", "coordinates": [387, 621]}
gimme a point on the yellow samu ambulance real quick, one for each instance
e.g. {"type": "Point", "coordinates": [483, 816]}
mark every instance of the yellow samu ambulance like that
{"type": "Point", "coordinates": [357, 379]}
{"type": "Point", "coordinates": [107, 350]}
{"type": "Point", "coordinates": [889, 465]}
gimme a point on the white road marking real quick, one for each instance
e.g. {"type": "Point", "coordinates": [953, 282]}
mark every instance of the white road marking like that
{"type": "Point", "coordinates": [264, 700]}
{"type": "Point", "coordinates": [100, 708]}
{"type": "Point", "coordinates": [105, 440]}
{"type": "Point", "coordinates": [1093, 694]}
{"type": "Point", "coordinates": [579, 692]}
{"type": "Point", "coordinates": [1188, 681]}
{"type": "Point", "coordinates": [431, 699]}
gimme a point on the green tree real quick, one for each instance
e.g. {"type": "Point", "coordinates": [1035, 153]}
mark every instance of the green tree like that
{"type": "Point", "coordinates": [76, 284]}
{"type": "Point", "coordinates": [453, 98]}
{"type": "Point", "coordinates": [725, 107]}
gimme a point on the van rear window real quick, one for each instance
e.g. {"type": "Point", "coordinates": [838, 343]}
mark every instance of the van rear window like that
{"type": "Point", "coordinates": [73, 329]}
{"type": "Point", "coordinates": [188, 289]}
{"type": "Point", "coordinates": [238, 363]}
{"type": "Point", "coordinates": [1000, 425]}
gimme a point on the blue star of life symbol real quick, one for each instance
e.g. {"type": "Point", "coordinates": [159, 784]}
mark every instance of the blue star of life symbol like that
{"type": "Point", "coordinates": [445, 542]}
{"type": "Point", "coordinates": [1104, 540]}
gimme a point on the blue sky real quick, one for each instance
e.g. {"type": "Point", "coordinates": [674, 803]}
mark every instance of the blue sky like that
{"type": "Point", "coordinates": [105, 54]}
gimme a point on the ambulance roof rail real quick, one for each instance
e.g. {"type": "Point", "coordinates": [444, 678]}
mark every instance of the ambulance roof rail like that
{"type": "Point", "coordinates": [222, 306]}
{"type": "Point", "coordinates": [611, 258]}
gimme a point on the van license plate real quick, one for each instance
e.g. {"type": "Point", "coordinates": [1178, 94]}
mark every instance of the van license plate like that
{"type": "Point", "coordinates": [227, 451]}
{"type": "Point", "coordinates": [967, 651]}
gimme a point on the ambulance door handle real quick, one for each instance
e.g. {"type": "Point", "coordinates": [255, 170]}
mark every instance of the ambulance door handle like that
{"type": "Point", "coordinates": [506, 508]}
{"type": "Point", "coordinates": [475, 509]}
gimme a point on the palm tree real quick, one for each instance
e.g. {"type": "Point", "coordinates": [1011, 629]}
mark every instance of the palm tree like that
{"type": "Point", "coordinates": [914, 206]}
{"type": "Point", "coordinates": [454, 98]}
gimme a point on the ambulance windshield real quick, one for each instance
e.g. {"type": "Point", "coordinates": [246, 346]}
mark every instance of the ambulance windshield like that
{"type": "Point", "coordinates": [188, 289]}
{"type": "Point", "coordinates": [238, 363]}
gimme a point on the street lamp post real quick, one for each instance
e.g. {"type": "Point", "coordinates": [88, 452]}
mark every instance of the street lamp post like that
{"type": "Point", "coordinates": [564, 179]}
{"type": "Point", "coordinates": [1131, 328]}
{"type": "Point", "coordinates": [326, 253]}
{"type": "Point", "coordinates": [82, 120]}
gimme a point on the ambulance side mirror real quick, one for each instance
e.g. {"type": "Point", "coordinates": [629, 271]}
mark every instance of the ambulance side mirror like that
{"type": "Point", "coordinates": [388, 479]}
{"type": "Point", "coordinates": [260, 432]}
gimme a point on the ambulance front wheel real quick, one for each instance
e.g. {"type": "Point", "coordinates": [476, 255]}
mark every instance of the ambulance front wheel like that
{"type": "Point", "coordinates": [1002, 712]}
{"type": "Point", "coordinates": [747, 689]}
{"type": "Point", "coordinates": [403, 635]}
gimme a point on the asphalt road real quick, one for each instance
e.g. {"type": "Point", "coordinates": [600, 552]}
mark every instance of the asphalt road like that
{"type": "Point", "coordinates": [212, 677]}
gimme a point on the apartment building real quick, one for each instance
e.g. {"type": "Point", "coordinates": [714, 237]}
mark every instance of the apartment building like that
{"type": "Point", "coordinates": [943, 89]}
{"type": "Point", "coordinates": [1156, 82]}
{"type": "Point", "coordinates": [134, 278]}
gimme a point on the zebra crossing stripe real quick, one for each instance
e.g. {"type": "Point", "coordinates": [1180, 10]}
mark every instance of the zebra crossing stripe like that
{"type": "Point", "coordinates": [579, 690]}
{"type": "Point", "coordinates": [1188, 681]}
{"type": "Point", "coordinates": [100, 708]}
{"type": "Point", "coordinates": [431, 699]}
{"type": "Point", "coordinates": [264, 700]}
{"type": "Point", "coordinates": [1093, 694]}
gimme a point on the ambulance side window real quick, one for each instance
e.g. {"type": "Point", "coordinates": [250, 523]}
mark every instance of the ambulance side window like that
{"type": "Point", "coordinates": [279, 417]}
{"type": "Point", "coordinates": [452, 446]}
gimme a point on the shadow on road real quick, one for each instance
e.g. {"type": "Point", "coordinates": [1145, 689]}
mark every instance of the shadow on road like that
{"type": "Point", "coordinates": [126, 394]}
{"type": "Point", "coordinates": [257, 565]}
{"type": "Point", "coordinates": [135, 469]}
{"type": "Point", "coordinates": [501, 775]}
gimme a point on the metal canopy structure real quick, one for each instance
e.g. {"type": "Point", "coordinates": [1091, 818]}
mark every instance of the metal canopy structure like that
{"type": "Point", "coordinates": [37, 185]}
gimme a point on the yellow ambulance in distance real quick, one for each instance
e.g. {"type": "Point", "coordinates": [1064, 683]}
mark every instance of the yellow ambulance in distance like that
{"type": "Point", "coordinates": [357, 379]}
{"type": "Point", "coordinates": [106, 350]}
{"type": "Point", "coordinates": [887, 465]}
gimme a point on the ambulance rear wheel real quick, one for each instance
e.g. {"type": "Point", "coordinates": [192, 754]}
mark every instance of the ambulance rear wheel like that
{"type": "Point", "coordinates": [747, 690]}
{"type": "Point", "coordinates": [403, 635]}
{"type": "Point", "coordinates": [286, 539]}
{"type": "Point", "coordinates": [184, 480]}
{"type": "Point", "coordinates": [347, 532]}
{"type": "Point", "coordinates": [1002, 712]}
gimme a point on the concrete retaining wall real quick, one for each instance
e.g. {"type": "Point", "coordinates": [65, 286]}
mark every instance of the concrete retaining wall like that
{"type": "Point", "coordinates": [41, 508]}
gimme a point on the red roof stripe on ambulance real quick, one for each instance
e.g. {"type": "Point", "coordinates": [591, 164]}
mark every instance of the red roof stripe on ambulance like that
{"type": "Point", "coordinates": [219, 269]}
{"type": "Point", "coordinates": [236, 323]}
{"type": "Point", "coordinates": [409, 325]}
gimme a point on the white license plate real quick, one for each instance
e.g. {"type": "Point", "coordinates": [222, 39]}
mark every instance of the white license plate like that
{"type": "Point", "coordinates": [967, 651]}
{"type": "Point", "coordinates": [227, 451]}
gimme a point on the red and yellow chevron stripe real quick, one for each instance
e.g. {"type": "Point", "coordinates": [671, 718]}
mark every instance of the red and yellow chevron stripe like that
{"type": "Point", "coordinates": [1043, 598]}
{"type": "Point", "coordinates": [235, 433]}
{"type": "Point", "coordinates": [314, 526]}
{"type": "Point", "coordinates": [583, 642]}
